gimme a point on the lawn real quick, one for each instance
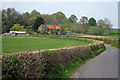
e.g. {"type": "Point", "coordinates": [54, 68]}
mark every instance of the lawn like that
{"type": "Point", "coordinates": [18, 44]}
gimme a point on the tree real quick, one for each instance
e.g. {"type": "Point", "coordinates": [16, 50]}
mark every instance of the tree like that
{"type": "Point", "coordinates": [105, 25]}
{"type": "Point", "coordinates": [42, 31]}
{"type": "Point", "coordinates": [9, 18]}
{"type": "Point", "coordinates": [17, 27]}
{"type": "Point", "coordinates": [54, 31]}
{"type": "Point", "coordinates": [73, 18]}
{"type": "Point", "coordinates": [92, 22]}
{"type": "Point", "coordinates": [25, 19]}
{"type": "Point", "coordinates": [94, 30]}
{"type": "Point", "coordinates": [62, 31]}
{"type": "Point", "coordinates": [107, 22]}
{"type": "Point", "coordinates": [84, 20]}
{"type": "Point", "coordinates": [33, 16]}
{"type": "Point", "coordinates": [100, 23]}
{"type": "Point", "coordinates": [37, 23]}
{"type": "Point", "coordinates": [47, 18]}
{"type": "Point", "coordinates": [58, 18]}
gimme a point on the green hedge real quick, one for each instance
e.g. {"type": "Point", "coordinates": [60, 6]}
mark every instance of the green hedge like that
{"type": "Point", "coordinates": [113, 42]}
{"type": "Point", "coordinates": [42, 64]}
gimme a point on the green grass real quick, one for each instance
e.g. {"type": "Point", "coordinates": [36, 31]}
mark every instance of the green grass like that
{"type": "Point", "coordinates": [115, 31]}
{"type": "Point", "coordinates": [18, 44]}
{"type": "Point", "coordinates": [67, 72]}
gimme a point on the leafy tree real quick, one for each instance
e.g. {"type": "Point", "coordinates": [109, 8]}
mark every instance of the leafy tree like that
{"type": "Point", "coordinates": [92, 22]}
{"type": "Point", "coordinates": [37, 23]}
{"type": "Point", "coordinates": [58, 18]}
{"type": "Point", "coordinates": [73, 18]}
{"type": "Point", "coordinates": [63, 31]}
{"type": "Point", "coordinates": [25, 19]}
{"type": "Point", "coordinates": [105, 25]}
{"type": "Point", "coordinates": [42, 31]}
{"type": "Point", "coordinates": [47, 18]}
{"type": "Point", "coordinates": [94, 30]}
{"type": "Point", "coordinates": [17, 27]}
{"type": "Point", "coordinates": [33, 16]}
{"type": "Point", "coordinates": [100, 23]}
{"type": "Point", "coordinates": [9, 18]}
{"type": "Point", "coordinates": [54, 31]}
{"type": "Point", "coordinates": [84, 20]}
{"type": "Point", "coordinates": [29, 29]}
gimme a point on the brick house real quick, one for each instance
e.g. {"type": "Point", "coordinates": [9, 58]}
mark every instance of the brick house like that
{"type": "Point", "coordinates": [48, 27]}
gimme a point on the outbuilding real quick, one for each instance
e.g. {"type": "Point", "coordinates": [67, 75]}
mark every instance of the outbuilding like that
{"type": "Point", "coordinates": [19, 33]}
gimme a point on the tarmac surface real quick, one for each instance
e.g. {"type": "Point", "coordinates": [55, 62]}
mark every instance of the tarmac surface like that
{"type": "Point", "coordinates": [104, 65]}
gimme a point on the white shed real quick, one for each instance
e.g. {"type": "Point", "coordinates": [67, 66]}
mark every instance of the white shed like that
{"type": "Point", "coordinates": [17, 32]}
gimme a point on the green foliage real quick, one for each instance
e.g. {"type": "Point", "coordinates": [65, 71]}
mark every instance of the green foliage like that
{"type": "Point", "coordinates": [83, 21]}
{"type": "Point", "coordinates": [17, 27]}
{"type": "Point", "coordinates": [94, 30]}
{"type": "Point", "coordinates": [92, 22]}
{"type": "Point", "coordinates": [42, 31]}
{"type": "Point", "coordinates": [100, 23]}
{"type": "Point", "coordinates": [25, 19]}
{"type": "Point", "coordinates": [58, 18]}
{"type": "Point", "coordinates": [11, 68]}
{"type": "Point", "coordinates": [29, 29]}
{"type": "Point", "coordinates": [73, 18]}
{"type": "Point", "coordinates": [66, 72]}
{"type": "Point", "coordinates": [37, 23]}
{"type": "Point", "coordinates": [63, 31]}
{"type": "Point", "coordinates": [31, 44]}
{"type": "Point", "coordinates": [54, 31]}
{"type": "Point", "coordinates": [9, 18]}
{"type": "Point", "coordinates": [76, 28]}
{"type": "Point", "coordinates": [34, 19]}
{"type": "Point", "coordinates": [115, 31]}
{"type": "Point", "coordinates": [59, 63]}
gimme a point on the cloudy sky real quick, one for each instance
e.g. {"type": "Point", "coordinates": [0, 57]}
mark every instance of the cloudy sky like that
{"type": "Point", "coordinates": [98, 10]}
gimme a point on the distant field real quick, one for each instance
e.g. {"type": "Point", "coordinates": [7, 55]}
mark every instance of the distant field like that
{"type": "Point", "coordinates": [115, 31]}
{"type": "Point", "coordinates": [19, 44]}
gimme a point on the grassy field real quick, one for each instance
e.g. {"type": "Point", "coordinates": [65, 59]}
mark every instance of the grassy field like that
{"type": "Point", "coordinates": [18, 44]}
{"type": "Point", "coordinates": [115, 31]}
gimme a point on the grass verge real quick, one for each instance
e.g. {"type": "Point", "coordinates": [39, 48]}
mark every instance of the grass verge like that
{"type": "Point", "coordinates": [67, 72]}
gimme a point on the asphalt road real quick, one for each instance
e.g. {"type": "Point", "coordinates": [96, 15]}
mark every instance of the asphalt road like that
{"type": "Point", "coordinates": [104, 65]}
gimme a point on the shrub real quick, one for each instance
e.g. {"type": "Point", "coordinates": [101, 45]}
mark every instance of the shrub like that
{"type": "Point", "coordinates": [44, 63]}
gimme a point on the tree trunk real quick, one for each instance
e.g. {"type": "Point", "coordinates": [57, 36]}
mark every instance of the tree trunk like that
{"type": "Point", "coordinates": [83, 27]}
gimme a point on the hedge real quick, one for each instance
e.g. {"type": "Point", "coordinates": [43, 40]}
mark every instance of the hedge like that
{"type": "Point", "coordinates": [113, 42]}
{"type": "Point", "coordinates": [41, 64]}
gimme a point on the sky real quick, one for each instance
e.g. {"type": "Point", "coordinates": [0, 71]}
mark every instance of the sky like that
{"type": "Point", "coordinates": [98, 10]}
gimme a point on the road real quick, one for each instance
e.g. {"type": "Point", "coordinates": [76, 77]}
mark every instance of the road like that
{"type": "Point", "coordinates": [104, 65]}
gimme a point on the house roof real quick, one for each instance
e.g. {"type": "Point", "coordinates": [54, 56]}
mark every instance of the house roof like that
{"type": "Point", "coordinates": [48, 26]}
{"type": "Point", "coordinates": [17, 32]}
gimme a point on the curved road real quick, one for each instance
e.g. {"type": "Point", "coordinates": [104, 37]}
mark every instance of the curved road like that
{"type": "Point", "coordinates": [104, 65]}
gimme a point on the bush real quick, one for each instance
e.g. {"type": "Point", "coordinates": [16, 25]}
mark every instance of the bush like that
{"type": "Point", "coordinates": [11, 68]}
{"type": "Point", "coordinates": [94, 30]}
{"type": "Point", "coordinates": [44, 63]}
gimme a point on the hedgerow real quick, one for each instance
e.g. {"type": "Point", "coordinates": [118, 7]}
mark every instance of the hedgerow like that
{"type": "Point", "coordinates": [44, 63]}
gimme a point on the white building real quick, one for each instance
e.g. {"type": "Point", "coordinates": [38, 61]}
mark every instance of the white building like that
{"type": "Point", "coordinates": [17, 32]}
